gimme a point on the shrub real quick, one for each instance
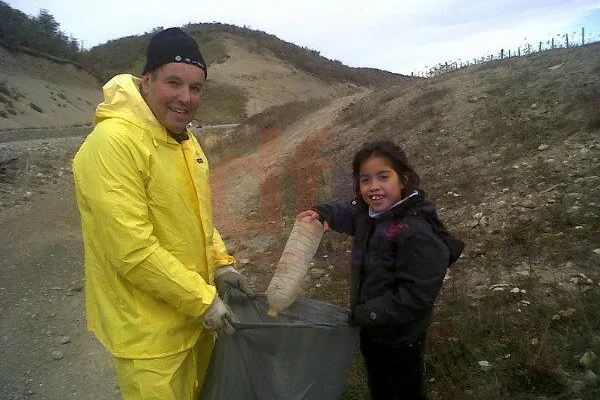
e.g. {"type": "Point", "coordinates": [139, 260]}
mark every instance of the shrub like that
{"type": "Point", "coordinates": [4, 89]}
{"type": "Point", "coordinates": [6, 100]}
{"type": "Point", "coordinates": [36, 107]}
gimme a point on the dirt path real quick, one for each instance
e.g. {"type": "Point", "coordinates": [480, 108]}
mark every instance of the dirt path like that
{"type": "Point", "coordinates": [249, 191]}
{"type": "Point", "coordinates": [45, 349]}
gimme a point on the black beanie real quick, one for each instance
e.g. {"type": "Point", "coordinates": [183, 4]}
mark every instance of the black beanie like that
{"type": "Point", "coordinates": [173, 45]}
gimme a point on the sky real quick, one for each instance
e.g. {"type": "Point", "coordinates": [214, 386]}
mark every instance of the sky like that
{"type": "Point", "coordinates": [393, 35]}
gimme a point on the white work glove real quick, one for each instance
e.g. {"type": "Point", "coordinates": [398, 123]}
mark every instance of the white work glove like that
{"type": "Point", "coordinates": [218, 317]}
{"type": "Point", "coordinates": [226, 277]}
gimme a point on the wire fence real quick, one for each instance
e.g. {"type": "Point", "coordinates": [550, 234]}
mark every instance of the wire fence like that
{"type": "Point", "coordinates": [559, 41]}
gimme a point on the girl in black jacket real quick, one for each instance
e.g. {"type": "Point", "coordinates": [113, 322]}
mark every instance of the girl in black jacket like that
{"type": "Point", "coordinates": [400, 254]}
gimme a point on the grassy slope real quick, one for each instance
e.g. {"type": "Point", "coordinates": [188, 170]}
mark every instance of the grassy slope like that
{"type": "Point", "coordinates": [529, 214]}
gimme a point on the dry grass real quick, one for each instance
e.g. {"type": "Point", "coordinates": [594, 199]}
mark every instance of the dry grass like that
{"type": "Point", "coordinates": [530, 349]}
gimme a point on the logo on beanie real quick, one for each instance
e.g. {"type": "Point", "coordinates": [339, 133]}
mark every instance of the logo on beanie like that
{"type": "Point", "coordinates": [188, 60]}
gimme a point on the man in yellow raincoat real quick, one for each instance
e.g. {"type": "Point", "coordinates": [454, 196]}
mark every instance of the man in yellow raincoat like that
{"type": "Point", "coordinates": [152, 254]}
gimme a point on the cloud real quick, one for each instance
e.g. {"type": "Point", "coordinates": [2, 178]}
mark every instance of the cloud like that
{"type": "Point", "coordinates": [469, 31]}
{"type": "Point", "coordinates": [391, 35]}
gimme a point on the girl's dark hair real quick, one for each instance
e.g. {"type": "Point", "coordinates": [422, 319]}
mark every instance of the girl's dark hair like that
{"type": "Point", "coordinates": [388, 149]}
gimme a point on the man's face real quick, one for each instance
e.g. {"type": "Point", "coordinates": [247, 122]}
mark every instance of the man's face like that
{"type": "Point", "coordinates": [173, 92]}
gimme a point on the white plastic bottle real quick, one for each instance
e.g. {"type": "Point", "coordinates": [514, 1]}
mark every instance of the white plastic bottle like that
{"type": "Point", "coordinates": [291, 270]}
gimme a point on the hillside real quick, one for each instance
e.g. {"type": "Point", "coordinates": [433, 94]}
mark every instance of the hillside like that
{"type": "Point", "coordinates": [249, 71]}
{"type": "Point", "coordinates": [508, 150]}
{"type": "Point", "coordinates": [38, 92]}
{"type": "Point", "coordinates": [510, 153]}
{"type": "Point", "coordinates": [128, 54]}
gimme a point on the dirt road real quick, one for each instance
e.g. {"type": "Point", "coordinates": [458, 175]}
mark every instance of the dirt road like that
{"type": "Point", "coordinates": [45, 349]}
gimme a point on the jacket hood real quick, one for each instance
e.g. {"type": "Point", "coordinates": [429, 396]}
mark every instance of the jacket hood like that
{"type": "Point", "coordinates": [123, 100]}
{"type": "Point", "coordinates": [415, 201]}
{"type": "Point", "coordinates": [415, 204]}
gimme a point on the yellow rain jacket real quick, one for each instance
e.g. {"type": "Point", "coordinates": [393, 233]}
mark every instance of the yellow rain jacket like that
{"type": "Point", "coordinates": [150, 244]}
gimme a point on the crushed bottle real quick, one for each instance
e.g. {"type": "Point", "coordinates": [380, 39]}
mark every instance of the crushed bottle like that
{"type": "Point", "coordinates": [286, 283]}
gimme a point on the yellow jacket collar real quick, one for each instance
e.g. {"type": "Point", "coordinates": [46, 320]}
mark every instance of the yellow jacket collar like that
{"type": "Point", "coordinates": [123, 99]}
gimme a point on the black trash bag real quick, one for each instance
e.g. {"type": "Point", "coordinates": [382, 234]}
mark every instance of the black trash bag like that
{"type": "Point", "coordinates": [303, 353]}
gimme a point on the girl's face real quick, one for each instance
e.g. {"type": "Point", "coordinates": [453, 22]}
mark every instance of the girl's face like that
{"type": "Point", "coordinates": [380, 185]}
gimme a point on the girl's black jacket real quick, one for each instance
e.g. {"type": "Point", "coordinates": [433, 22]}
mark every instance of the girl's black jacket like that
{"type": "Point", "coordinates": [399, 262]}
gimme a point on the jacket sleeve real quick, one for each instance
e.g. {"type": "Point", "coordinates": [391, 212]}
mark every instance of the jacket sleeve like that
{"type": "Point", "coordinates": [110, 182]}
{"type": "Point", "coordinates": [164, 277]}
{"type": "Point", "coordinates": [421, 263]}
{"type": "Point", "coordinates": [221, 255]}
{"type": "Point", "coordinates": [339, 216]}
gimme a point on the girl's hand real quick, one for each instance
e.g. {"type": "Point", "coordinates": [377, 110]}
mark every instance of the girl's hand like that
{"type": "Point", "coordinates": [311, 215]}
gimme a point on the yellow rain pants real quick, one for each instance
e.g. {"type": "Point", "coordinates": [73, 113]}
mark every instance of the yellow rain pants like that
{"type": "Point", "coordinates": [176, 377]}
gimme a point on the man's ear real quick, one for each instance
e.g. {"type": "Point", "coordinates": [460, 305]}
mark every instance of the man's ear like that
{"type": "Point", "coordinates": [145, 83]}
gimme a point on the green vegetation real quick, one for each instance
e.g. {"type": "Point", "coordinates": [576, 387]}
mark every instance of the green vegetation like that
{"type": "Point", "coordinates": [6, 100]}
{"type": "Point", "coordinates": [7, 97]}
{"type": "Point", "coordinates": [125, 55]}
{"type": "Point", "coordinates": [7, 93]}
{"type": "Point", "coordinates": [36, 107]}
{"type": "Point", "coordinates": [128, 54]}
{"type": "Point", "coordinates": [226, 103]}
{"type": "Point", "coordinates": [222, 103]}
{"type": "Point", "coordinates": [4, 89]}
{"type": "Point", "coordinates": [39, 33]}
